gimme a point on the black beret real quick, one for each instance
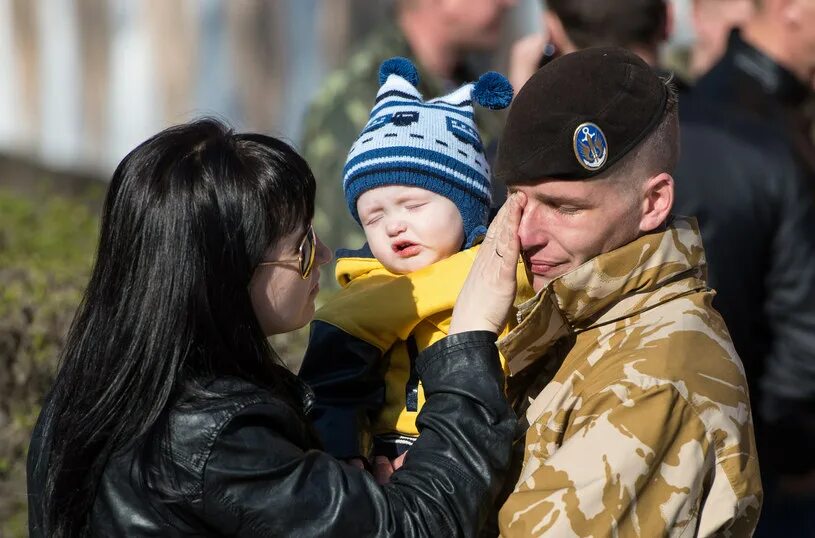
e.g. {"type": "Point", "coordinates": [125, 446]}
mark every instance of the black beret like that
{"type": "Point", "coordinates": [578, 115]}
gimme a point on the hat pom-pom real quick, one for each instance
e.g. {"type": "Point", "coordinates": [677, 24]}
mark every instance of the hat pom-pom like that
{"type": "Point", "coordinates": [493, 90]}
{"type": "Point", "coordinates": [401, 67]}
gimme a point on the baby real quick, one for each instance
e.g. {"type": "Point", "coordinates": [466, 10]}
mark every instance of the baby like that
{"type": "Point", "coordinates": [418, 182]}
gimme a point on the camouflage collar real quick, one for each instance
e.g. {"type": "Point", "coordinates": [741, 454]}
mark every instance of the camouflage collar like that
{"type": "Point", "coordinates": [635, 277]}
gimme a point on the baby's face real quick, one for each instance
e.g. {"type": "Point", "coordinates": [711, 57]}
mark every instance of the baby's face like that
{"type": "Point", "coordinates": [409, 228]}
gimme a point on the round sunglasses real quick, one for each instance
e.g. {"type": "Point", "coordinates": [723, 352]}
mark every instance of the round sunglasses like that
{"type": "Point", "coordinates": [305, 258]}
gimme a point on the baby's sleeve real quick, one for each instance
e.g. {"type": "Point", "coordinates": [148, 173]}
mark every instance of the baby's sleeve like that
{"type": "Point", "coordinates": [347, 376]}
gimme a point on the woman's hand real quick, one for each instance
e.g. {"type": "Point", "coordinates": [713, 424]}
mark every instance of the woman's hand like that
{"type": "Point", "coordinates": [489, 289]}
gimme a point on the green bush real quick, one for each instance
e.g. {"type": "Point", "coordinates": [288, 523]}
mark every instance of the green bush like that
{"type": "Point", "coordinates": [47, 244]}
{"type": "Point", "coordinates": [46, 251]}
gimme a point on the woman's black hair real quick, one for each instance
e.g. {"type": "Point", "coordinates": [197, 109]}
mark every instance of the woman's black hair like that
{"type": "Point", "coordinates": [188, 216]}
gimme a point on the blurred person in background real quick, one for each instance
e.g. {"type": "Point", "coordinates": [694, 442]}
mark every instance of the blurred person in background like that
{"type": "Point", "coordinates": [571, 26]}
{"type": "Point", "coordinates": [712, 22]}
{"type": "Point", "coordinates": [754, 206]}
{"type": "Point", "coordinates": [437, 35]}
{"type": "Point", "coordinates": [768, 72]}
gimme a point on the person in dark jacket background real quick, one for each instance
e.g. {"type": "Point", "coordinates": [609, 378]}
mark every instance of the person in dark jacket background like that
{"type": "Point", "coordinates": [754, 204]}
{"type": "Point", "coordinates": [768, 73]}
{"type": "Point", "coordinates": [172, 416]}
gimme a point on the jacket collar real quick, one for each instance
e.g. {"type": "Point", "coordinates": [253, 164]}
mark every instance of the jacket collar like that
{"type": "Point", "coordinates": [597, 292]}
{"type": "Point", "coordinates": [775, 79]}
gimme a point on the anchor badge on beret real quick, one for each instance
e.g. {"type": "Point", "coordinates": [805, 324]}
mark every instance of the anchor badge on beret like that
{"type": "Point", "coordinates": [590, 146]}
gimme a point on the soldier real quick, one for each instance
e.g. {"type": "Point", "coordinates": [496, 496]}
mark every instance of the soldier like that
{"type": "Point", "coordinates": [751, 199]}
{"type": "Point", "coordinates": [634, 399]}
{"type": "Point", "coordinates": [436, 35]}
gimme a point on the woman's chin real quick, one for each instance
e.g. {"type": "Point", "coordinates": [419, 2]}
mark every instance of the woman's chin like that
{"type": "Point", "coordinates": [292, 324]}
{"type": "Point", "coordinates": [307, 315]}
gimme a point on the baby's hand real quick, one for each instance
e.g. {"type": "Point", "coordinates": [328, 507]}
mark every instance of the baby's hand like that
{"type": "Point", "coordinates": [384, 468]}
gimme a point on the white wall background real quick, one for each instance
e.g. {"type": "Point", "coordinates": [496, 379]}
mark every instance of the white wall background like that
{"type": "Point", "coordinates": [162, 62]}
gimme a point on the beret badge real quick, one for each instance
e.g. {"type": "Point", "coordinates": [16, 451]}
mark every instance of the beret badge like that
{"type": "Point", "coordinates": [590, 146]}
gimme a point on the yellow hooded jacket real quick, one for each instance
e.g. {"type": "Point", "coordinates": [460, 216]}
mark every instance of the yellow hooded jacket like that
{"type": "Point", "coordinates": [400, 315]}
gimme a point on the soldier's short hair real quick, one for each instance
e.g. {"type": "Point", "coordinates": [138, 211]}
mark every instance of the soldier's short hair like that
{"type": "Point", "coordinates": [659, 150]}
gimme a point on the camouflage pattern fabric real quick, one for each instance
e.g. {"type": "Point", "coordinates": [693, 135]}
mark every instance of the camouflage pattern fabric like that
{"type": "Point", "coordinates": [643, 425]}
{"type": "Point", "coordinates": [340, 111]}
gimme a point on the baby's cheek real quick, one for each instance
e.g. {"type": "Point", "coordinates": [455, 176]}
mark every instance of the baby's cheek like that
{"type": "Point", "coordinates": [377, 244]}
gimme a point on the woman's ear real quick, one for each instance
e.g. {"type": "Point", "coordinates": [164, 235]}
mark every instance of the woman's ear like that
{"type": "Point", "coordinates": [657, 201]}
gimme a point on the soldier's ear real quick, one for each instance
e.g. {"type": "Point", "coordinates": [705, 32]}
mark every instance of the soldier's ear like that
{"type": "Point", "coordinates": [401, 67]}
{"type": "Point", "coordinates": [657, 201]}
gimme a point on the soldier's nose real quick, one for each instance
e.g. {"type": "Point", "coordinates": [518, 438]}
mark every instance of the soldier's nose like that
{"type": "Point", "coordinates": [530, 234]}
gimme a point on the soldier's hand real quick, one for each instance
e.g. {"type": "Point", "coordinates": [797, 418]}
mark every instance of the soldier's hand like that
{"type": "Point", "coordinates": [488, 291]}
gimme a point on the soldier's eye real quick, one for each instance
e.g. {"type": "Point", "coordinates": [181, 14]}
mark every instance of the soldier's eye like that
{"type": "Point", "coordinates": [567, 210]}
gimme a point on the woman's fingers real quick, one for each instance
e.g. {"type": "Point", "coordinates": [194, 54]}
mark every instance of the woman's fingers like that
{"type": "Point", "coordinates": [489, 289]}
{"type": "Point", "coordinates": [501, 252]}
{"type": "Point", "coordinates": [497, 223]}
{"type": "Point", "coordinates": [508, 244]}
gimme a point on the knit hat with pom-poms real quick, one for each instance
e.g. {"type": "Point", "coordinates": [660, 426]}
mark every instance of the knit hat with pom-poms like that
{"type": "Point", "coordinates": [432, 144]}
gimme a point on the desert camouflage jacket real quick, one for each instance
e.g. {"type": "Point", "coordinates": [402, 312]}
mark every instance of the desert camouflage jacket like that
{"type": "Point", "coordinates": [636, 403]}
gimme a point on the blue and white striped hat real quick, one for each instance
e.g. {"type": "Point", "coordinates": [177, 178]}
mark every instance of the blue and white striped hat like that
{"type": "Point", "coordinates": [431, 144]}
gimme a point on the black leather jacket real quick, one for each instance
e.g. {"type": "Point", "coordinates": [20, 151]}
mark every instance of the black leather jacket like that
{"type": "Point", "coordinates": [247, 464]}
{"type": "Point", "coordinates": [749, 82]}
{"type": "Point", "coordinates": [746, 172]}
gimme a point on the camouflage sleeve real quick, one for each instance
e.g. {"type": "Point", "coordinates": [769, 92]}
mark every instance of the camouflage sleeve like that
{"type": "Point", "coordinates": [632, 462]}
{"type": "Point", "coordinates": [331, 126]}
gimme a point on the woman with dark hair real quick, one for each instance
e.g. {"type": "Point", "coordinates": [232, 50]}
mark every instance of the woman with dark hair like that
{"type": "Point", "coordinates": [172, 416]}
